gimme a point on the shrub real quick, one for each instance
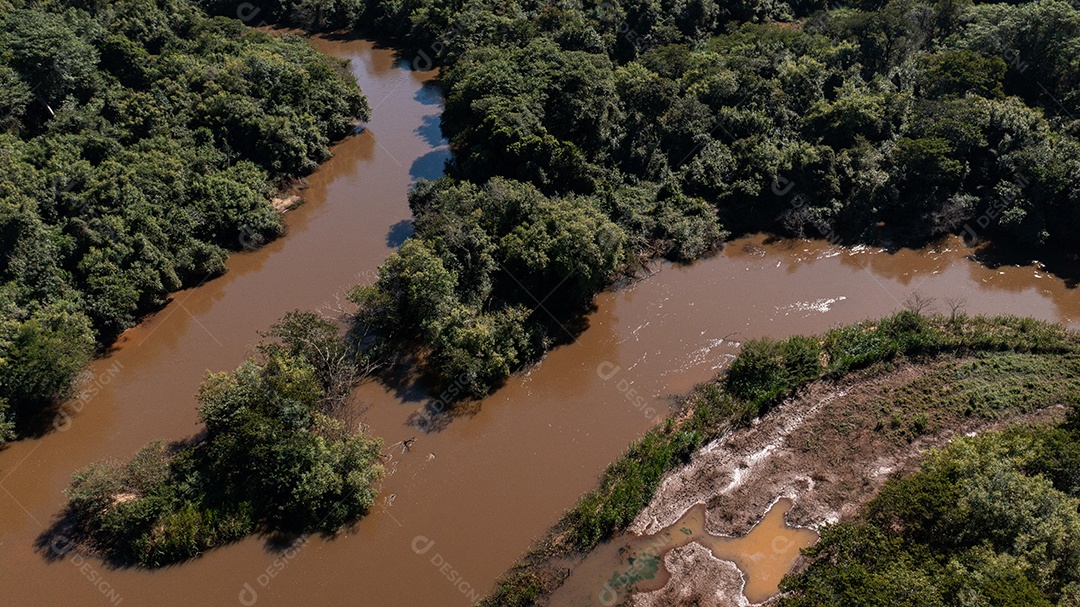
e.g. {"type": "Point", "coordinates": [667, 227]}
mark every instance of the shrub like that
{"type": "Point", "coordinates": [766, 370]}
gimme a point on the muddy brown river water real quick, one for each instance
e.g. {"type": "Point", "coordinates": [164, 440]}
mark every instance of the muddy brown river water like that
{"type": "Point", "coordinates": [465, 502]}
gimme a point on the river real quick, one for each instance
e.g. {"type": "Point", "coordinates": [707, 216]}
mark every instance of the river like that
{"type": "Point", "coordinates": [466, 501]}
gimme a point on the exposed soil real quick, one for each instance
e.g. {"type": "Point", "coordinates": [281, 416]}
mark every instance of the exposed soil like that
{"type": "Point", "coordinates": [697, 578]}
{"type": "Point", "coordinates": [827, 450]}
{"type": "Point", "coordinates": [286, 203]}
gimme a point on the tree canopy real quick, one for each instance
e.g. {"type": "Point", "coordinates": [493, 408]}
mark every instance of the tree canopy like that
{"type": "Point", "coordinates": [140, 142]}
{"type": "Point", "coordinates": [890, 122]}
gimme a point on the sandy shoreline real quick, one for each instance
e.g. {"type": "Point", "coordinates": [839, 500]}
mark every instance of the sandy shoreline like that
{"type": "Point", "coordinates": [823, 449]}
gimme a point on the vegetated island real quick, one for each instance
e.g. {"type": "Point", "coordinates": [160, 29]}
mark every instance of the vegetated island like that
{"type": "Point", "coordinates": [938, 443]}
{"type": "Point", "coordinates": [139, 143]}
{"type": "Point", "coordinates": [279, 456]}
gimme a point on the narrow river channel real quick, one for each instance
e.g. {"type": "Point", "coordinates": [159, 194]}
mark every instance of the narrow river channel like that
{"type": "Point", "coordinates": [466, 501]}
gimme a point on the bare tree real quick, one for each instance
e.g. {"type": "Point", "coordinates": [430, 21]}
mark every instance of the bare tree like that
{"type": "Point", "coordinates": [339, 363]}
{"type": "Point", "coordinates": [918, 303]}
{"type": "Point", "coordinates": [956, 306]}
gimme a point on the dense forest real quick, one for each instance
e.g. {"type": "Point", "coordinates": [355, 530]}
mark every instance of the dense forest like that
{"type": "Point", "coordinates": [586, 138]}
{"type": "Point", "coordinates": [140, 141]}
{"type": "Point", "coordinates": [623, 130]}
{"type": "Point", "coordinates": [989, 520]}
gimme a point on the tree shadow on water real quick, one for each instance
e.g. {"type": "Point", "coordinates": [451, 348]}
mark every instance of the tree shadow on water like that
{"type": "Point", "coordinates": [35, 420]}
{"type": "Point", "coordinates": [65, 540]}
{"type": "Point", "coordinates": [398, 232]}
{"type": "Point", "coordinates": [1062, 264]}
{"type": "Point", "coordinates": [59, 539]}
{"type": "Point", "coordinates": [430, 93]}
{"type": "Point", "coordinates": [438, 414]}
{"type": "Point", "coordinates": [430, 166]}
{"type": "Point", "coordinates": [430, 131]}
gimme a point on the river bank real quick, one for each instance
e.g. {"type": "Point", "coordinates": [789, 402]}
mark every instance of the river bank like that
{"type": "Point", "coordinates": [830, 449]}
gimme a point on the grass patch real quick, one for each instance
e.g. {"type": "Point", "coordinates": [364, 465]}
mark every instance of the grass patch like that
{"type": "Point", "coordinates": [992, 385]}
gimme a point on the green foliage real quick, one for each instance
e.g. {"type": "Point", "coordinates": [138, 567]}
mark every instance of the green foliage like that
{"type": "Point", "coordinates": [273, 458]}
{"type": "Point", "coordinates": [467, 288]}
{"type": "Point", "coordinates": [628, 485]}
{"type": "Point", "coordinates": [895, 558]}
{"type": "Point", "coordinates": [7, 426]}
{"type": "Point", "coordinates": [140, 142]}
{"type": "Point", "coordinates": [991, 386]}
{"type": "Point", "coordinates": [863, 344]}
{"type": "Point", "coordinates": [42, 360]}
{"type": "Point", "coordinates": [958, 73]}
{"type": "Point", "coordinates": [892, 121]}
{"type": "Point", "coordinates": [47, 50]}
{"type": "Point", "coordinates": [42, 350]}
{"type": "Point", "coordinates": [983, 522]}
{"type": "Point", "coordinates": [767, 370]}
{"type": "Point", "coordinates": [309, 337]}
{"type": "Point", "coordinates": [266, 437]}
